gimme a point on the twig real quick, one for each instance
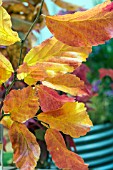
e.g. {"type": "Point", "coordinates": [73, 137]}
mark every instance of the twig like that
{"type": "Point", "coordinates": [30, 29]}
{"type": "Point", "coordinates": [4, 116]}
{"type": "Point", "coordinates": [11, 85]}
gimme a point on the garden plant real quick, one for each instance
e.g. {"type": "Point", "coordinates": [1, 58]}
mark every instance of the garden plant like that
{"type": "Point", "coordinates": [45, 86]}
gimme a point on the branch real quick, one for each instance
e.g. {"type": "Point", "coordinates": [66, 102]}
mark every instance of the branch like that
{"type": "Point", "coordinates": [30, 29]}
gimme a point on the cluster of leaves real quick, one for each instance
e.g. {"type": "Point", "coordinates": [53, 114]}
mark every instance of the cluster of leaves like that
{"type": "Point", "coordinates": [44, 68]}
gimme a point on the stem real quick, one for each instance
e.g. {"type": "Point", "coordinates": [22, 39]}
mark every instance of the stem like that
{"type": "Point", "coordinates": [4, 116]}
{"type": "Point", "coordinates": [11, 85]}
{"type": "Point", "coordinates": [30, 29]}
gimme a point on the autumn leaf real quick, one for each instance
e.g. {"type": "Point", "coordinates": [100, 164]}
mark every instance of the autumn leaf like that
{"type": "Point", "coordinates": [6, 69]}
{"type": "Point", "coordinates": [62, 157]}
{"type": "Point", "coordinates": [106, 72]}
{"type": "Point", "coordinates": [26, 148]}
{"type": "Point", "coordinates": [67, 83]}
{"type": "Point", "coordinates": [83, 28]}
{"type": "Point", "coordinates": [49, 59]}
{"type": "Point", "coordinates": [71, 119]}
{"type": "Point", "coordinates": [51, 48]}
{"type": "Point", "coordinates": [40, 71]}
{"type": "Point", "coordinates": [66, 5]}
{"type": "Point", "coordinates": [50, 100]}
{"type": "Point", "coordinates": [7, 35]}
{"type": "Point", "coordinates": [21, 104]}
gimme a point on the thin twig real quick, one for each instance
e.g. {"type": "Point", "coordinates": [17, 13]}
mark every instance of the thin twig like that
{"type": "Point", "coordinates": [1, 117]}
{"type": "Point", "coordinates": [11, 85]}
{"type": "Point", "coordinates": [30, 29]}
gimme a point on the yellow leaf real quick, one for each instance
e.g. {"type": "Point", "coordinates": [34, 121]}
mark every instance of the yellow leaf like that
{"type": "Point", "coordinates": [53, 48]}
{"type": "Point", "coordinates": [21, 104]}
{"type": "Point", "coordinates": [66, 5]}
{"type": "Point", "coordinates": [7, 35]}
{"type": "Point", "coordinates": [71, 119]}
{"type": "Point", "coordinates": [26, 148]}
{"type": "Point", "coordinates": [6, 69]}
{"type": "Point", "coordinates": [86, 28]}
{"type": "Point", "coordinates": [67, 83]}
{"type": "Point", "coordinates": [7, 121]}
{"type": "Point", "coordinates": [49, 59]}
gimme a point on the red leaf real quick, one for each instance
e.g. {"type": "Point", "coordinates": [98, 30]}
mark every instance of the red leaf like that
{"type": "Point", "coordinates": [50, 99]}
{"type": "Point", "coordinates": [106, 72]}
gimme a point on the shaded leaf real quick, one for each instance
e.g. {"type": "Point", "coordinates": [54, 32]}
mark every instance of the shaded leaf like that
{"type": "Point", "coordinates": [106, 72]}
{"type": "Point", "coordinates": [83, 28]}
{"type": "Point", "coordinates": [22, 104]}
{"type": "Point", "coordinates": [67, 83]}
{"type": "Point", "coordinates": [26, 148]}
{"type": "Point", "coordinates": [50, 100]}
{"type": "Point", "coordinates": [6, 69]}
{"type": "Point", "coordinates": [53, 48]}
{"type": "Point", "coordinates": [71, 119]}
{"type": "Point", "coordinates": [60, 154]}
{"type": "Point", "coordinates": [7, 35]}
{"type": "Point", "coordinates": [66, 5]}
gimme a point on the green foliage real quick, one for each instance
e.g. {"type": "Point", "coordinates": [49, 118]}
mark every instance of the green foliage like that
{"type": "Point", "coordinates": [101, 57]}
{"type": "Point", "coordinates": [101, 105]}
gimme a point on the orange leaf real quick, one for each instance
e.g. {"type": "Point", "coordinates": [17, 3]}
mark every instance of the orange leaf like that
{"type": "Point", "coordinates": [71, 119]}
{"type": "Point", "coordinates": [60, 154]}
{"type": "Point", "coordinates": [26, 148]}
{"type": "Point", "coordinates": [83, 28]}
{"type": "Point", "coordinates": [40, 71]}
{"type": "Point", "coordinates": [67, 83]}
{"type": "Point", "coordinates": [22, 104]}
{"type": "Point", "coordinates": [50, 100]}
{"type": "Point", "coordinates": [6, 69]}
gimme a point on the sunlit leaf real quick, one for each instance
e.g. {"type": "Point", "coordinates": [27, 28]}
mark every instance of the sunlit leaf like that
{"type": "Point", "coordinates": [21, 104]}
{"type": "Point", "coordinates": [71, 119]}
{"type": "Point", "coordinates": [6, 121]}
{"type": "Point", "coordinates": [106, 72]}
{"type": "Point", "coordinates": [83, 28]}
{"type": "Point", "coordinates": [67, 83]}
{"type": "Point", "coordinates": [66, 5]}
{"type": "Point", "coordinates": [7, 35]}
{"type": "Point", "coordinates": [49, 59]}
{"type": "Point", "coordinates": [53, 48]}
{"type": "Point", "coordinates": [50, 100]}
{"type": "Point", "coordinates": [62, 157]}
{"type": "Point", "coordinates": [40, 71]}
{"type": "Point", "coordinates": [6, 69]}
{"type": "Point", "coordinates": [26, 148]}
